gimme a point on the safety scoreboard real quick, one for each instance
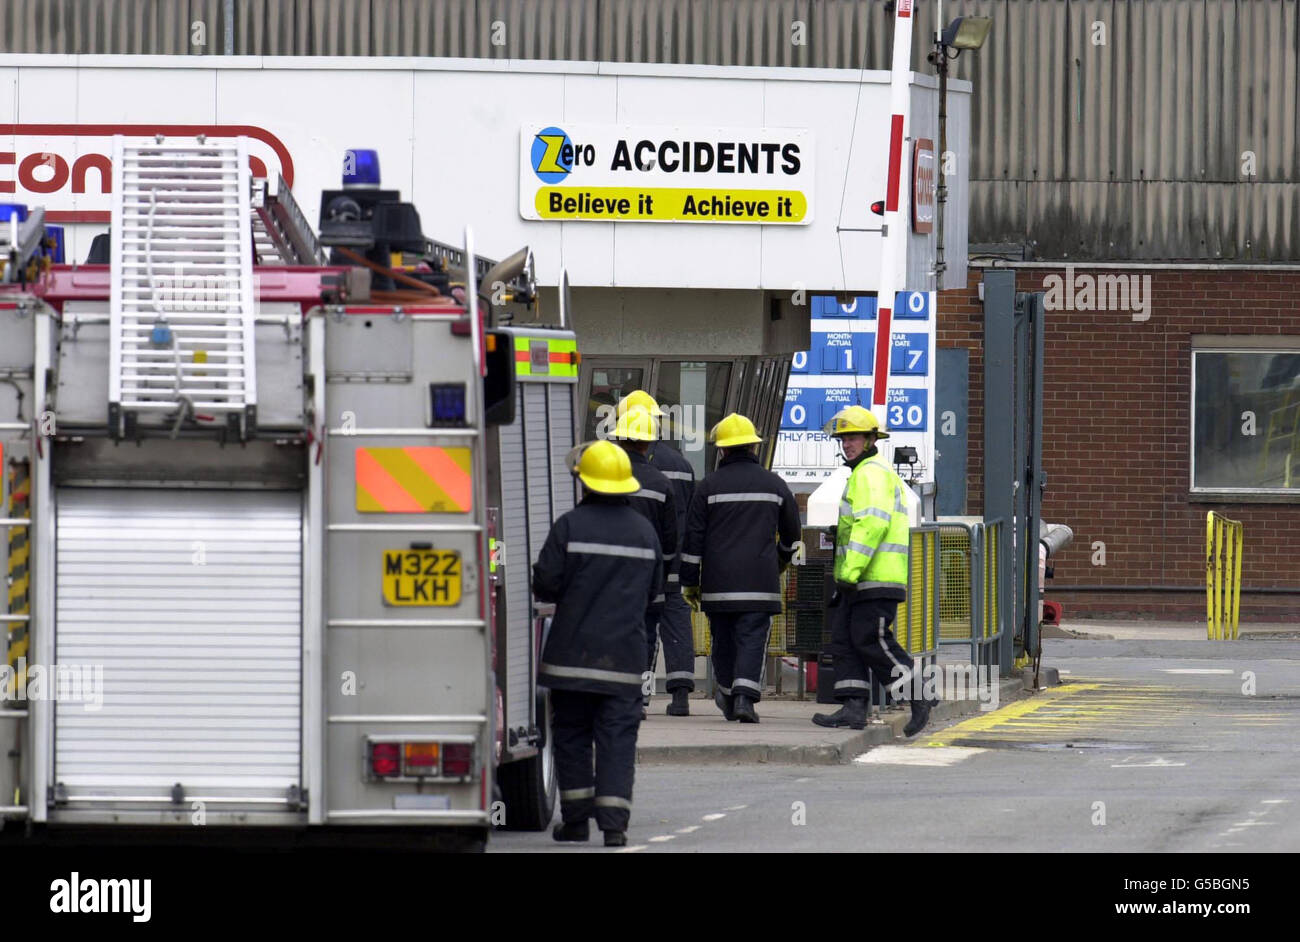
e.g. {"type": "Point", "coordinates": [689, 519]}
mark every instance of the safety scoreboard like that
{"type": "Point", "coordinates": [837, 371]}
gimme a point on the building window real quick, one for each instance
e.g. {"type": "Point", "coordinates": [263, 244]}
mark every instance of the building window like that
{"type": "Point", "coordinates": [1246, 416]}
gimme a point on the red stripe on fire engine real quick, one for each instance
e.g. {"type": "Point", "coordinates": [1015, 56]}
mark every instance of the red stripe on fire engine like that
{"type": "Point", "coordinates": [882, 356]}
{"type": "Point", "coordinates": [78, 215]}
{"type": "Point", "coordinates": [895, 162]}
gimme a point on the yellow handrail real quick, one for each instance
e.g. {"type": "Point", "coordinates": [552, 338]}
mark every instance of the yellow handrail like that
{"type": "Point", "coordinates": [1224, 540]}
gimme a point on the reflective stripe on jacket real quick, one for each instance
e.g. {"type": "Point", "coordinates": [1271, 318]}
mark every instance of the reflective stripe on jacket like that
{"type": "Point", "coordinates": [601, 566]}
{"type": "Point", "coordinates": [871, 539]}
{"type": "Point", "coordinates": [741, 530]}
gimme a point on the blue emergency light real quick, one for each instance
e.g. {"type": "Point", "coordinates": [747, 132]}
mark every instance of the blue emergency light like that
{"type": "Point", "coordinates": [360, 168]}
{"type": "Point", "coordinates": [9, 210]}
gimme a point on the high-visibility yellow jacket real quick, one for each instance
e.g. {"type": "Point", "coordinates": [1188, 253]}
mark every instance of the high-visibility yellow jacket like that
{"type": "Point", "coordinates": [871, 540]}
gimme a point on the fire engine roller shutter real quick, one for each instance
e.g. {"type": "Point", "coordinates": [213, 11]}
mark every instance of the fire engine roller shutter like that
{"type": "Point", "coordinates": [535, 489]}
{"type": "Point", "coordinates": [560, 406]}
{"type": "Point", "coordinates": [192, 602]}
{"type": "Point", "coordinates": [519, 595]}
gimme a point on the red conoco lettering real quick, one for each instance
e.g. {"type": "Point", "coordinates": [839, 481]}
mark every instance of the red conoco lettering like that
{"type": "Point", "coordinates": [27, 172]}
{"type": "Point", "coordinates": [83, 164]}
{"type": "Point", "coordinates": [6, 157]}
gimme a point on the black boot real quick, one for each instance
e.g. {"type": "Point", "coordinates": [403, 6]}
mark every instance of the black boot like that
{"type": "Point", "coordinates": [920, 716]}
{"type": "Point", "coordinates": [615, 838]}
{"type": "Point", "coordinates": [744, 709]}
{"type": "Point", "coordinates": [577, 831]}
{"type": "Point", "coordinates": [681, 705]}
{"type": "Point", "coordinates": [726, 704]}
{"type": "Point", "coordinates": [852, 715]}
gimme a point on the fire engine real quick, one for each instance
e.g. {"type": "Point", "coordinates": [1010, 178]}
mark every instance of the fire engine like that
{"type": "Point", "coordinates": [271, 501]}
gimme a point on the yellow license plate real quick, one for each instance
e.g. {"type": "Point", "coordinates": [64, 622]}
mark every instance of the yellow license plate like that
{"type": "Point", "coordinates": [421, 577]}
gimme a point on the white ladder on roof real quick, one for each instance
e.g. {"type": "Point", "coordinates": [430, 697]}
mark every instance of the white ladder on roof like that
{"type": "Point", "coordinates": [182, 307]}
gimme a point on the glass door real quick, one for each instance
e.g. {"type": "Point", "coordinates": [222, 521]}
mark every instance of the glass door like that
{"type": "Point", "coordinates": [694, 394]}
{"type": "Point", "coordinates": [604, 381]}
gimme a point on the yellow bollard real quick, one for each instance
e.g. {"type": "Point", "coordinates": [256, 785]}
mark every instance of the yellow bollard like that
{"type": "Point", "coordinates": [1224, 543]}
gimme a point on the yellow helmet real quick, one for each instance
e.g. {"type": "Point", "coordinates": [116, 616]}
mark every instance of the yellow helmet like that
{"type": "Point", "coordinates": [851, 420]}
{"type": "Point", "coordinates": [639, 397]}
{"type": "Point", "coordinates": [636, 424]}
{"type": "Point", "coordinates": [603, 467]}
{"type": "Point", "coordinates": [734, 430]}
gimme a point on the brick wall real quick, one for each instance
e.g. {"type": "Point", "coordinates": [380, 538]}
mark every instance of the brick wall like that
{"type": "Point", "coordinates": [1116, 440]}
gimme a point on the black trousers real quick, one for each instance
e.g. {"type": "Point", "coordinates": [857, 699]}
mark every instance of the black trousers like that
{"type": "Point", "coordinates": [861, 642]}
{"type": "Point", "coordinates": [674, 626]}
{"type": "Point", "coordinates": [578, 721]}
{"type": "Point", "coordinates": [739, 645]}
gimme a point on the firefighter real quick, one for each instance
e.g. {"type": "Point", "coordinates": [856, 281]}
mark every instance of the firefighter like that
{"type": "Point", "coordinates": [871, 549]}
{"type": "Point", "coordinates": [635, 430]}
{"type": "Point", "coordinates": [741, 532]}
{"type": "Point", "coordinates": [675, 621]}
{"type": "Point", "coordinates": [601, 566]}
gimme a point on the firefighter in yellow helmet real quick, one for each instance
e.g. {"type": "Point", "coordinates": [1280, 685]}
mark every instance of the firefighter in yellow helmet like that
{"type": "Point", "coordinates": [871, 548]}
{"type": "Point", "coordinates": [673, 624]}
{"type": "Point", "coordinates": [601, 566]}
{"type": "Point", "coordinates": [635, 430]}
{"type": "Point", "coordinates": [741, 531]}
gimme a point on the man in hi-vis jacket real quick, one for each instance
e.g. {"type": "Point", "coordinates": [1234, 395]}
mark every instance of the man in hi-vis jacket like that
{"type": "Point", "coordinates": [602, 567]}
{"type": "Point", "coordinates": [871, 549]}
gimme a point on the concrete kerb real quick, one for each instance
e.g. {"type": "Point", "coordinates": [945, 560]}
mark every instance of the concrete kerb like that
{"type": "Point", "coordinates": [835, 746]}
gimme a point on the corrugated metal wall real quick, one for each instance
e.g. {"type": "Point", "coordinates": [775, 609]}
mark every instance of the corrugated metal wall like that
{"type": "Point", "coordinates": [1101, 129]}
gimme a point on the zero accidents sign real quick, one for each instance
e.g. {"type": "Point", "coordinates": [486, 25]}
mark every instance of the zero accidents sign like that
{"type": "Point", "coordinates": [611, 173]}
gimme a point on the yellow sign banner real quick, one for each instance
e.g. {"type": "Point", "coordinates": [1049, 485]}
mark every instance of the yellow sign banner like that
{"type": "Point", "coordinates": [671, 204]}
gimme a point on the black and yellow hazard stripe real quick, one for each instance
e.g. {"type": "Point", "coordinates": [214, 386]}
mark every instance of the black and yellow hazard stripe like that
{"type": "Point", "coordinates": [19, 571]}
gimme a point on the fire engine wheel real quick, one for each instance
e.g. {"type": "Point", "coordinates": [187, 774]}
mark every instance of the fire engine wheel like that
{"type": "Point", "coordinates": [528, 786]}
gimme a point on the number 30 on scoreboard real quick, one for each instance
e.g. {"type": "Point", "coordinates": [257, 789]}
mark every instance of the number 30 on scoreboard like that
{"type": "Point", "coordinates": [906, 410]}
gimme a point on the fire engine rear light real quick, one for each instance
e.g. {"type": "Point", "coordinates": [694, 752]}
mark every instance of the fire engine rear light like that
{"type": "Point", "coordinates": [457, 758]}
{"type": "Point", "coordinates": [385, 759]}
{"type": "Point", "coordinates": [420, 758]}
{"type": "Point", "coordinates": [448, 407]}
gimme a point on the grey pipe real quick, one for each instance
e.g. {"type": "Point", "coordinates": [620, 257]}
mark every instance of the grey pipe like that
{"type": "Point", "coordinates": [1056, 537]}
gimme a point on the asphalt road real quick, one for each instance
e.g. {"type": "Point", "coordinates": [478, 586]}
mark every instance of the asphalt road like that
{"type": "Point", "coordinates": [1147, 746]}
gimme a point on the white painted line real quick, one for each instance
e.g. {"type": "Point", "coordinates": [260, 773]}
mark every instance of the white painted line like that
{"type": "Point", "coordinates": [1195, 670]}
{"type": "Point", "coordinates": [712, 817]}
{"type": "Point", "coordinates": [689, 829]}
{"type": "Point", "coordinates": [736, 808]}
{"type": "Point", "coordinates": [906, 755]}
{"type": "Point", "coordinates": [1276, 801]}
{"type": "Point", "coordinates": [662, 838]}
{"type": "Point", "coordinates": [1252, 824]}
{"type": "Point", "coordinates": [631, 850]}
{"type": "Point", "coordinates": [1156, 763]}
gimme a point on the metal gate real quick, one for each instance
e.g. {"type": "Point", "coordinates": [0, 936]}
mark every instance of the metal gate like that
{"type": "Point", "coordinates": [187, 607]}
